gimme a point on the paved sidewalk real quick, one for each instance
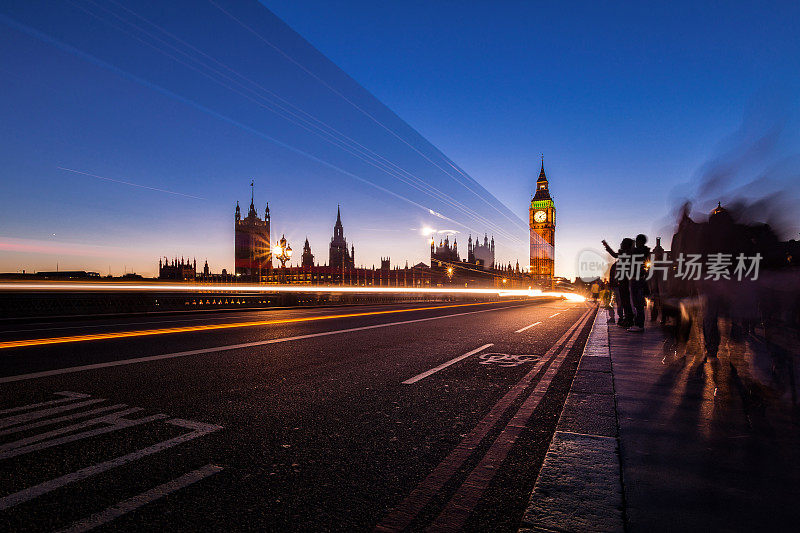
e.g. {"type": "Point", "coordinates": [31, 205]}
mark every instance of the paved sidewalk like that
{"type": "Point", "coordinates": [652, 438]}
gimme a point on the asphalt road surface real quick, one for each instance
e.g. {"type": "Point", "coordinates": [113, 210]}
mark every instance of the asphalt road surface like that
{"type": "Point", "coordinates": [392, 417]}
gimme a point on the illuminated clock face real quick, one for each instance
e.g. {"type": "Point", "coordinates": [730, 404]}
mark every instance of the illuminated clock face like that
{"type": "Point", "coordinates": [539, 216]}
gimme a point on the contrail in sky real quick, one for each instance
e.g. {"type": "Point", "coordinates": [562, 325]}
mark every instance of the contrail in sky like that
{"type": "Point", "coordinates": [131, 184]}
{"type": "Point", "coordinates": [97, 61]}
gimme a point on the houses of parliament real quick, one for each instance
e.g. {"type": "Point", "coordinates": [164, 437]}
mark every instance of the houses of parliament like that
{"type": "Point", "coordinates": [253, 252]}
{"type": "Point", "coordinates": [253, 256]}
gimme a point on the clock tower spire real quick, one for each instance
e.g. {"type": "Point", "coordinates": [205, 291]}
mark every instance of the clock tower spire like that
{"type": "Point", "coordinates": [543, 231]}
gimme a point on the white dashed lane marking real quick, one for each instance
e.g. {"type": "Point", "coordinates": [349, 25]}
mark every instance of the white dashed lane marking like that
{"type": "Point", "coordinates": [152, 358]}
{"type": "Point", "coordinates": [444, 365]}
{"type": "Point", "coordinates": [527, 327]}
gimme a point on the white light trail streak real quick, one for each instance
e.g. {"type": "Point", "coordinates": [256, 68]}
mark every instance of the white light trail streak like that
{"type": "Point", "coordinates": [267, 289]}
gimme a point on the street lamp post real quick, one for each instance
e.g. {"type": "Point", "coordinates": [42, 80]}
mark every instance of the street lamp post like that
{"type": "Point", "coordinates": [283, 252]}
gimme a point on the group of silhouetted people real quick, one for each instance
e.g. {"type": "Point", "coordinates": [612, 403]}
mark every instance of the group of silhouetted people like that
{"type": "Point", "coordinates": [628, 290]}
{"type": "Point", "coordinates": [722, 270]}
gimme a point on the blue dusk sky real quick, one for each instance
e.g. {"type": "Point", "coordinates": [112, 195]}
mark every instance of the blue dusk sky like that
{"type": "Point", "coordinates": [130, 129]}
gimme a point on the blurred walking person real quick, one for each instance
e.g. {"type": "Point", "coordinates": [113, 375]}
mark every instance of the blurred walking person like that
{"type": "Point", "coordinates": [595, 289]}
{"type": "Point", "coordinates": [607, 301]}
{"type": "Point", "coordinates": [655, 284]}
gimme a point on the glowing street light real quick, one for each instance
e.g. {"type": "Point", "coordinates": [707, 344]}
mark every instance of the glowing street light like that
{"type": "Point", "coordinates": [283, 252]}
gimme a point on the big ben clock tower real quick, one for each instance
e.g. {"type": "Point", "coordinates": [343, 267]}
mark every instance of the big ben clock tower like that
{"type": "Point", "coordinates": [543, 231]}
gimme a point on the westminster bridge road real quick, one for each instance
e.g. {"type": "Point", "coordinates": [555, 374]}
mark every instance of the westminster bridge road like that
{"type": "Point", "coordinates": [390, 417]}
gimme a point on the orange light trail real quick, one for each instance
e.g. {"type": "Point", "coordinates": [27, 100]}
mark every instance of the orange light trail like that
{"type": "Point", "coordinates": [211, 327]}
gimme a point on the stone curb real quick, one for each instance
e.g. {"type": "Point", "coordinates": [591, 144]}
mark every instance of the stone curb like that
{"type": "Point", "coordinates": [579, 487]}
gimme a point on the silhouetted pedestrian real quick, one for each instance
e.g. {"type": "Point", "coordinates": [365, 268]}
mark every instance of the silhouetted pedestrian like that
{"type": "Point", "coordinates": [638, 281]}
{"type": "Point", "coordinates": [620, 283]}
{"type": "Point", "coordinates": [606, 301]}
{"type": "Point", "coordinates": [656, 283]}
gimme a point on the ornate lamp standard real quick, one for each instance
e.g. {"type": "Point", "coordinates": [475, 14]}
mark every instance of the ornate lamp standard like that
{"type": "Point", "coordinates": [283, 252]}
